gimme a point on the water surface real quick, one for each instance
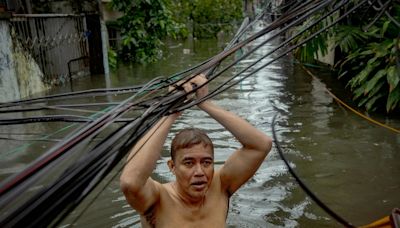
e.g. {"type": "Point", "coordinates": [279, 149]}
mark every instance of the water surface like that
{"type": "Point", "coordinates": [351, 164]}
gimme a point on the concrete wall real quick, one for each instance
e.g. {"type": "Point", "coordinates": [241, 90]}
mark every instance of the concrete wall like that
{"type": "Point", "coordinates": [20, 76]}
{"type": "Point", "coordinates": [8, 80]}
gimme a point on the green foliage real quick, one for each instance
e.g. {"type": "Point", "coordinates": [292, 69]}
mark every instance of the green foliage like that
{"type": "Point", "coordinates": [208, 17]}
{"type": "Point", "coordinates": [348, 38]}
{"type": "Point", "coordinates": [112, 59]}
{"type": "Point", "coordinates": [147, 22]}
{"type": "Point", "coordinates": [370, 58]}
{"type": "Point", "coordinates": [144, 24]}
{"type": "Point", "coordinates": [371, 69]}
{"type": "Point", "coordinates": [316, 46]}
{"type": "Point", "coordinates": [374, 74]}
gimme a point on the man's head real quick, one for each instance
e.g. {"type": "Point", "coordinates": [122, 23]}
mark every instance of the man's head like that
{"type": "Point", "coordinates": [192, 162]}
{"type": "Point", "coordinates": [189, 137]}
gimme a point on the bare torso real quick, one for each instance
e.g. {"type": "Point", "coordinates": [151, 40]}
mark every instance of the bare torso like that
{"type": "Point", "coordinates": [172, 211]}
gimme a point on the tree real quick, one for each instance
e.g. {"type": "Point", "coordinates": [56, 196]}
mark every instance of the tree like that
{"type": "Point", "coordinates": [370, 56]}
{"type": "Point", "coordinates": [143, 26]}
{"type": "Point", "coordinates": [208, 17]}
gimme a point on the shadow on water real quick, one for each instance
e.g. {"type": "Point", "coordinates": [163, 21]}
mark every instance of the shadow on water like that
{"type": "Point", "coordinates": [350, 164]}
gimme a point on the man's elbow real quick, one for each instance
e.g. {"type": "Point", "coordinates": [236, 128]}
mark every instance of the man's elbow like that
{"type": "Point", "coordinates": [266, 145]}
{"type": "Point", "coordinates": [128, 187]}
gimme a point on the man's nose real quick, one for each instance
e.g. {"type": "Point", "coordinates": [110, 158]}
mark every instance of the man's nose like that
{"type": "Point", "coordinates": [198, 170]}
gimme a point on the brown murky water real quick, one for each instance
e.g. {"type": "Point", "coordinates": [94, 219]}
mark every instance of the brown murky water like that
{"type": "Point", "coordinates": [351, 164]}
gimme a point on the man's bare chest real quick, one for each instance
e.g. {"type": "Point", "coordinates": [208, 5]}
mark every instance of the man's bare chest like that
{"type": "Point", "coordinates": [173, 212]}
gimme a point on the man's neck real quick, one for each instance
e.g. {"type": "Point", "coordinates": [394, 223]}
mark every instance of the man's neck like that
{"type": "Point", "coordinates": [187, 199]}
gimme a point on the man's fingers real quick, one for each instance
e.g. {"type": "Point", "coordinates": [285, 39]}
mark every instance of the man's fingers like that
{"type": "Point", "coordinates": [190, 85]}
{"type": "Point", "coordinates": [199, 80]}
{"type": "Point", "coordinates": [187, 87]}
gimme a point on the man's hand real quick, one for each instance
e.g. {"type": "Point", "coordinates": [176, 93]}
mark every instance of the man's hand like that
{"type": "Point", "coordinates": [198, 81]}
{"type": "Point", "coordinates": [189, 86]}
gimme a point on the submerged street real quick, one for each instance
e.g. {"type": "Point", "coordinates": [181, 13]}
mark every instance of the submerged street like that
{"type": "Point", "coordinates": [351, 164]}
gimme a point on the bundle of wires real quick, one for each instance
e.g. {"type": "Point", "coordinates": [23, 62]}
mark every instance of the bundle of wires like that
{"type": "Point", "coordinates": [81, 162]}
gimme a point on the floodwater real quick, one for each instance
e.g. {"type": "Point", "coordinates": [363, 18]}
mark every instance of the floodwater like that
{"type": "Point", "coordinates": [352, 165]}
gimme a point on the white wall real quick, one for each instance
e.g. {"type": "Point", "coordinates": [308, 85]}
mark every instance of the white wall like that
{"type": "Point", "coordinates": [8, 80]}
{"type": "Point", "coordinates": [20, 76]}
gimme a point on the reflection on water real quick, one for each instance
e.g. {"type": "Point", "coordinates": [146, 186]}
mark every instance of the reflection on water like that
{"type": "Point", "coordinates": [352, 165]}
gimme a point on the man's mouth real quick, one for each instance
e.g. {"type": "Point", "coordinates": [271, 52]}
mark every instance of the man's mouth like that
{"type": "Point", "coordinates": [199, 185]}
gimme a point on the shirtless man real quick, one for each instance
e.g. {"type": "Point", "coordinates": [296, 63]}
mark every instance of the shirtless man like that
{"type": "Point", "coordinates": [199, 197]}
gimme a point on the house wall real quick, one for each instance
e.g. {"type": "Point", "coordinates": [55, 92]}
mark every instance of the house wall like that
{"type": "Point", "coordinates": [20, 76]}
{"type": "Point", "coordinates": [8, 80]}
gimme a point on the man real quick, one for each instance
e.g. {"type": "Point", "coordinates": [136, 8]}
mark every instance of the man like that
{"type": "Point", "coordinates": [199, 197]}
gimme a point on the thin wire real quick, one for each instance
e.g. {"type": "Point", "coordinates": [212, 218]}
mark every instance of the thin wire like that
{"type": "Point", "coordinates": [68, 143]}
{"type": "Point", "coordinates": [352, 109]}
{"type": "Point", "coordinates": [304, 186]}
{"type": "Point", "coordinates": [270, 28]}
{"type": "Point", "coordinates": [115, 175]}
{"type": "Point", "coordinates": [22, 147]}
{"type": "Point", "coordinates": [93, 200]}
{"type": "Point", "coordinates": [59, 184]}
{"type": "Point", "coordinates": [49, 118]}
{"type": "Point", "coordinates": [211, 63]}
{"type": "Point", "coordinates": [220, 89]}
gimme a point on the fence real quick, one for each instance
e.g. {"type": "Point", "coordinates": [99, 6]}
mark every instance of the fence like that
{"type": "Point", "coordinates": [53, 40]}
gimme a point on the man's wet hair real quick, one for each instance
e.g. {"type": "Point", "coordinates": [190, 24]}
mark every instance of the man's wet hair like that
{"type": "Point", "coordinates": [189, 137]}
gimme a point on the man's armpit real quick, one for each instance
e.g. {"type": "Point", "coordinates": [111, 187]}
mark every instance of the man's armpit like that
{"type": "Point", "coordinates": [150, 216]}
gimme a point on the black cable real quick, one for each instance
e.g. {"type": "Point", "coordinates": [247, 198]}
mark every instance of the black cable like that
{"type": "Point", "coordinates": [219, 89]}
{"type": "Point", "coordinates": [98, 194]}
{"type": "Point", "coordinates": [60, 148]}
{"type": "Point", "coordinates": [43, 219]}
{"type": "Point", "coordinates": [107, 144]}
{"type": "Point", "coordinates": [50, 118]}
{"type": "Point", "coordinates": [166, 103]}
{"type": "Point", "coordinates": [116, 174]}
{"type": "Point", "coordinates": [54, 118]}
{"type": "Point", "coordinates": [18, 139]}
{"type": "Point", "coordinates": [94, 91]}
{"type": "Point", "coordinates": [98, 92]}
{"type": "Point", "coordinates": [31, 208]}
{"type": "Point", "coordinates": [304, 14]}
{"type": "Point", "coordinates": [379, 15]}
{"type": "Point", "coordinates": [304, 186]}
{"type": "Point", "coordinates": [77, 94]}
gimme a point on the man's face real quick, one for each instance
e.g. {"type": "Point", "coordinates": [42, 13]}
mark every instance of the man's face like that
{"type": "Point", "coordinates": [194, 170]}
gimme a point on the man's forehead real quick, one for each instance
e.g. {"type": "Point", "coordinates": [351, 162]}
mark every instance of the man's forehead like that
{"type": "Point", "coordinates": [197, 151]}
{"type": "Point", "coordinates": [196, 156]}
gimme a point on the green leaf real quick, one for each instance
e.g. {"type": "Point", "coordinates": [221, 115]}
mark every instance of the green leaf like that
{"type": "Point", "coordinates": [371, 83]}
{"type": "Point", "coordinates": [377, 88]}
{"type": "Point", "coordinates": [363, 101]}
{"type": "Point", "coordinates": [384, 28]}
{"type": "Point", "coordinates": [372, 101]}
{"type": "Point", "coordinates": [393, 99]}
{"type": "Point", "coordinates": [380, 49]}
{"type": "Point", "coordinates": [342, 74]}
{"type": "Point", "coordinates": [393, 77]}
{"type": "Point", "coordinates": [367, 52]}
{"type": "Point", "coordinates": [358, 92]}
{"type": "Point", "coordinates": [372, 60]}
{"type": "Point", "coordinates": [361, 77]}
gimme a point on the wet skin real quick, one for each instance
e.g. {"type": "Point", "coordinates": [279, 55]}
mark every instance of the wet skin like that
{"type": "Point", "coordinates": [194, 170]}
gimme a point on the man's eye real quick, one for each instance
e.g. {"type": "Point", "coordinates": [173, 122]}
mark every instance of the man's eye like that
{"type": "Point", "coordinates": [188, 163]}
{"type": "Point", "coordinates": [207, 163]}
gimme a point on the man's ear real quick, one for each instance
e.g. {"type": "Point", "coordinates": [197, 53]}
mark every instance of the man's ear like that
{"type": "Point", "coordinates": [171, 166]}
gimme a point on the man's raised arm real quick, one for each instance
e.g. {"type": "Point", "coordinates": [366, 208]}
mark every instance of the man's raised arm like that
{"type": "Point", "coordinates": [139, 189]}
{"type": "Point", "coordinates": [243, 163]}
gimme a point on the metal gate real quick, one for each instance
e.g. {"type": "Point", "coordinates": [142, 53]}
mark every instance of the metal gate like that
{"type": "Point", "coordinates": [55, 41]}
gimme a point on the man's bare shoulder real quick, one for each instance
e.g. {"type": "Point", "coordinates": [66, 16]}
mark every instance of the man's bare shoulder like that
{"type": "Point", "coordinates": [172, 211]}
